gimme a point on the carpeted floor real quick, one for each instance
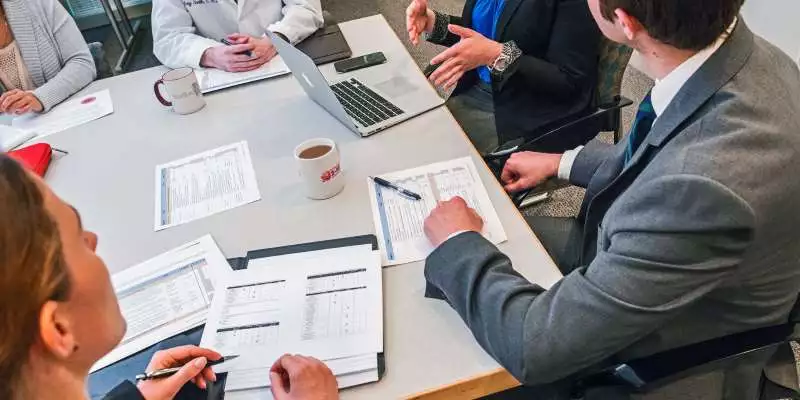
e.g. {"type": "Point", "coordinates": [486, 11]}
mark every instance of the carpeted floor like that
{"type": "Point", "coordinates": [564, 202]}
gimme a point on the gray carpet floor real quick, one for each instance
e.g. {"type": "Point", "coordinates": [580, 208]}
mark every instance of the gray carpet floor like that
{"type": "Point", "coordinates": [564, 202]}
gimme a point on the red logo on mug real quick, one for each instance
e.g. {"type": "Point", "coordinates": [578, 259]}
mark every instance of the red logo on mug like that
{"type": "Point", "coordinates": [330, 174]}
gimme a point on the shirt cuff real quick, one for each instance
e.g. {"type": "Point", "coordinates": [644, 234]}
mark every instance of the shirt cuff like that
{"type": "Point", "coordinates": [439, 31]}
{"type": "Point", "coordinates": [567, 159]}
{"type": "Point", "coordinates": [452, 235]}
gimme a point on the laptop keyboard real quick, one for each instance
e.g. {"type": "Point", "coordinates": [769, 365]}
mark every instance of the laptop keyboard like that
{"type": "Point", "coordinates": [362, 104]}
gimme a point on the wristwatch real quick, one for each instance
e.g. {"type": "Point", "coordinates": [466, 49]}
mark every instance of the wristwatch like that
{"type": "Point", "coordinates": [508, 55]}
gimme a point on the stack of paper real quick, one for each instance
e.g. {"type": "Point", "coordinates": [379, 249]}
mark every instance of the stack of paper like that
{"type": "Point", "coordinates": [212, 79]}
{"type": "Point", "coordinates": [325, 304]}
{"type": "Point", "coordinates": [11, 138]}
{"type": "Point", "coordinates": [166, 295]}
{"type": "Point", "coordinates": [400, 220]}
{"type": "Point", "coordinates": [68, 114]}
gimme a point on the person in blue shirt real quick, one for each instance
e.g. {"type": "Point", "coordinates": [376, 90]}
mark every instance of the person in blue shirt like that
{"type": "Point", "coordinates": [516, 65]}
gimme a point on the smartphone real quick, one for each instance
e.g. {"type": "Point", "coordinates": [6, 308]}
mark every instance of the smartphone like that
{"type": "Point", "coordinates": [352, 64]}
{"type": "Point", "coordinates": [229, 43]}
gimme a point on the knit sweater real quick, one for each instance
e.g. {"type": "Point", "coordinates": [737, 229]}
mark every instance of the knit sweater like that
{"type": "Point", "coordinates": [52, 47]}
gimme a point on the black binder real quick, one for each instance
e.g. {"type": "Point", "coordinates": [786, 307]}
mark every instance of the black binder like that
{"type": "Point", "coordinates": [326, 45]}
{"type": "Point", "coordinates": [217, 390]}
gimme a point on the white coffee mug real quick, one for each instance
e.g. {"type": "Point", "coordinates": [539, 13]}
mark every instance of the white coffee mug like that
{"type": "Point", "coordinates": [320, 168]}
{"type": "Point", "coordinates": [183, 89]}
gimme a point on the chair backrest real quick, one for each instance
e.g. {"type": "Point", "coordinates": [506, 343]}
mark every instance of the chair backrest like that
{"type": "Point", "coordinates": [614, 59]}
{"type": "Point", "coordinates": [101, 64]}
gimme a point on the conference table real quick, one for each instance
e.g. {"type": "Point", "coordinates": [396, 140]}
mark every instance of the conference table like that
{"type": "Point", "coordinates": [109, 177]}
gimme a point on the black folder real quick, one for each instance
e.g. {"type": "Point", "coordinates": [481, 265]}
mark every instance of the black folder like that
{"type": "Point", "coordinates": [217, 390]}
{"type": "Point", "coordinates": [326, 45]}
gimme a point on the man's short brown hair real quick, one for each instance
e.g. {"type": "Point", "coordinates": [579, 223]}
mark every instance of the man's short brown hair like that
{"type": "Point", "coordinates": [685, 24]}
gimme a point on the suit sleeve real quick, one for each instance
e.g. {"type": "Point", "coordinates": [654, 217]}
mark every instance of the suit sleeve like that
{"type": "Point", "coordinates": [440, 34]}
{"type": "Point", "coordinates": [588, 160]}
{"type": "Point", "coordinates": [77, 70]}
{"type": "Point", "coordinates": [571, 59]}
{"type": "Point", "coordinates": [300, 19]}
{"type": "Point", "coordinates": [673, 235]}
{"type": "Point", "coordinates": [124, 391]}
{"type": "Point", "coordinates": [175, 40]}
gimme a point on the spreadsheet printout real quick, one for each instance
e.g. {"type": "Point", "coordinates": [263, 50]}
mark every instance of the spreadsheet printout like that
{"type": "Point", "coordinates": [204, 184]}
{"type": "Point", "coordinates": [399, 221]}
{"type": "Point", "coordinates": [166, 295]}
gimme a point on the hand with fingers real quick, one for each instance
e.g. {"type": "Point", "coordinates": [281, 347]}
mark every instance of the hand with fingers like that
{"type": "Point", "coordinates": [419, 19]}
{"type": "Point", "coordinates": [263, 49]}
{"type": "Point", "coordinates": [296, 377]}
{"type": "Point", "coordinates": [232, 58]}
{"type": "Point", "coordinates": [18, 102]}
{"type": "Point", "coordinates": [472, 51]}
{"type": "Point", "coordinates": [527, 169]}
{"type": "Point", "coordinates": [192, 358]}
{"type": "Point", "coordinates": [450, 217]}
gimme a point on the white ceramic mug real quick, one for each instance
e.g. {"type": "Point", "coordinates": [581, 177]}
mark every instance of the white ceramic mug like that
{"type": "Point", "coordinates": [183, 89]}
{"type": "Point", "coordinates": [320, 169]}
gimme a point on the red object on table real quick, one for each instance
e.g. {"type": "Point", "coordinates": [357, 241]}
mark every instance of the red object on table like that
{"type": "Point", "coordinates": [35, 157]}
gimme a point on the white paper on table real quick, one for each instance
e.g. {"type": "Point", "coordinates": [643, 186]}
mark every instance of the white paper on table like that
{"type": "Point", "coordinates": [212, 79]}
{"type": "Point", "coordinates": [265, 393]}
{"type": "Point", "coordinates": [328, 307]}
{"type": "Point", "coordinates": [344, 368]}
{"type": "Point", "coordinates": [166, 295]}
{"type": "Point", "coordinates": [204, 184]}
{"type": "Point", "coordinates": [399, 221]}
{"type": "Point", "coordinates": [68, 114]}
{"type": "Point", "coordinates": [11, 137]}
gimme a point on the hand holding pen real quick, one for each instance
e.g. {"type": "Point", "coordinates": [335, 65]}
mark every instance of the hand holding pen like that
{"type": "Point", "coordinates": [193, 366]}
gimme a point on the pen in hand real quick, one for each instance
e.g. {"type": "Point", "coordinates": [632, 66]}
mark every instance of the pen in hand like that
{"type": "Point", "coordinates": [163, 373]}
{"type": "Point", "coordinates": [398, 189]}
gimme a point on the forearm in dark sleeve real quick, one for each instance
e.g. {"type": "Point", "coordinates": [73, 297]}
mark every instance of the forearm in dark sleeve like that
{"type": "Point", "coordinates": [598, 310]}
{"type": "Point", "coordinates": [440, 34]}
{"type": "Point", "coordinates": [571, 58]}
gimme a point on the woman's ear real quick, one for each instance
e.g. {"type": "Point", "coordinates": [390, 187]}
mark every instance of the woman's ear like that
{"type": "Point", "coordinates": [55, 330]}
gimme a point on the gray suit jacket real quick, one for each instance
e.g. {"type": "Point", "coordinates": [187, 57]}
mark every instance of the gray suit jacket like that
{"type": "Point", "coordinates": [697, 238]}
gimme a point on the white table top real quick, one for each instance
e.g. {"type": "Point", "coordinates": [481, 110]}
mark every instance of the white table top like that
{"type": "Point", "coordinates": [109, 177]}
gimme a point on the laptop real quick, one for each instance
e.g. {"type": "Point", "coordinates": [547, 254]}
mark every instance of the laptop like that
{"type": "Point", "coordinates": [363, 106]}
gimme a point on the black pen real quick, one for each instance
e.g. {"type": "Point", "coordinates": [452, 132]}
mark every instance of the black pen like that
{"type": "Point", "coordinates": [163, 373]}
{"type": "Point", "coordinates": [398, 189]}
{"type": "Point", "coordinates": [227, 42]}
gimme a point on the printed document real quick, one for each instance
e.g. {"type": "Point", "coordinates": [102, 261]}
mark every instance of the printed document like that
{"type": "Point", "coordinates": [166, 295]}
{"type": "Point", "coordinates": [68, 114]}
{"type": "Point", "coordinates": [212, 79]}
{"type": "Point", "coordinates": [326, 307]}
{"type": "Point", "coordinates": [204, 184]}
{"type": "Point", "coordinates": [399, 220]}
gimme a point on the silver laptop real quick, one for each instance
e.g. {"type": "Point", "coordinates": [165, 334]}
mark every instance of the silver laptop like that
{"type": "Point", "coordinates": [363, 106]}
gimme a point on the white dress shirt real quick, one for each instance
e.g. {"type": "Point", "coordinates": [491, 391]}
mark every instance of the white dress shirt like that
{"type": "Point", "coordinates": [662, 94]}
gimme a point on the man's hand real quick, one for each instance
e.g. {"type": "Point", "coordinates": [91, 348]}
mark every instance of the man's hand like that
{"type": "Point", "coordinates": [263, 49]}
{"type": "Point", "coordinates": [17, 101]}
{"type": "Point", "coordinates": [472, 51]}
{"type": "Point", "coordinates": [192, 358]}
{"type": "Point", "coordinates": [450, 217]}
{"type": "Point", "coordinates": [419, 18]}
{"type": "Point", "coordinates": [295, 377]}
{"type": "Point", "coordinates": [231, 58]}
{"type": "Point", "coordinates": [527, 169]}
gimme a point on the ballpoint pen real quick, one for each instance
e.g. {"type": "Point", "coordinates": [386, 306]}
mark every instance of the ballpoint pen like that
{"type": "Point", "coordinates": [163, 373]}
{"type": "Point", "coordinates": [398, 189]}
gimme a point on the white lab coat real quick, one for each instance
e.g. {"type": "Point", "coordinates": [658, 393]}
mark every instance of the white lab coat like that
{"type": "Point", "coordinates": [184, 29]}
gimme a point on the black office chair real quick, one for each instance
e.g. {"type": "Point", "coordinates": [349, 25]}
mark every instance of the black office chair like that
{"type": "Point", "coordinates": [604, 117]}
{"type": "Point", "coordinates": [652, 372]}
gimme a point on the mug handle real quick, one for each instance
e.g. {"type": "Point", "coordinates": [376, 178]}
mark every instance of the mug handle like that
{"type": "Point", "coordinates": [157, 91]}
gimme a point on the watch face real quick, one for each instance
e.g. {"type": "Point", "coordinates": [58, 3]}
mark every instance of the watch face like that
{"type": "Point", "coordinates": [501, 63]}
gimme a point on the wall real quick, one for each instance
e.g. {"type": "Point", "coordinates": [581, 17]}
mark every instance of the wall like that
{"type": "Point", "coordinates": [777, 21]}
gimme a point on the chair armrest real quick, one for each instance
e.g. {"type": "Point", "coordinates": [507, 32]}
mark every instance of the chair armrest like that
{"type": "Point", "coordinates": [658, 369]}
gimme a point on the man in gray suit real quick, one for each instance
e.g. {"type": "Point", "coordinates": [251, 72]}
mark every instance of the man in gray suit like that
{"type": "Point", "coordinates": [690, 226]}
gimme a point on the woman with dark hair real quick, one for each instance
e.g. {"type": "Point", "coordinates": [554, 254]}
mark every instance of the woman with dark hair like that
{"type": "Point", "coordinates": [59, 314]}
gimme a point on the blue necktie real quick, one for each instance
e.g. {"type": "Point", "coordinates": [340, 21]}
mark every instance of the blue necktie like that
{"type": "Point", "coordinates": [645, 117]}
